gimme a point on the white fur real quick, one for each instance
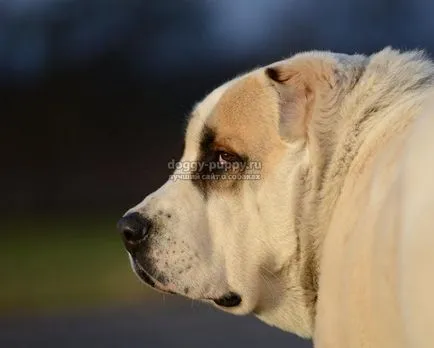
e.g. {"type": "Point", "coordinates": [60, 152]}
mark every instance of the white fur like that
{"type": "Point", "coordinates": [342, 212]}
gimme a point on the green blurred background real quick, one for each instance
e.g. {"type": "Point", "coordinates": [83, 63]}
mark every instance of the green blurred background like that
{"type": "Point", "coordinates": [52, 263]}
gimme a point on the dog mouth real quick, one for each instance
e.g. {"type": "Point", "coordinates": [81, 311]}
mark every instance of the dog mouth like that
{"type": "Point", "coordinates": [228, 300]}
{"type": "Point", "coordinates": [147, 278]}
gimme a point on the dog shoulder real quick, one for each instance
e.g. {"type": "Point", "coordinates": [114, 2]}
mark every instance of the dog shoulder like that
{"type": "Point", "coordinates": [417, 237]}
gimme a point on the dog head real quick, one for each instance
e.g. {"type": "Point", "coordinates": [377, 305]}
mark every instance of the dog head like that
{"type": "Point", "coordinates": [227, 226]}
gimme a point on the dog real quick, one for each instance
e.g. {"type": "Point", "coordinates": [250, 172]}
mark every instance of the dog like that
{"type": "Point", "coordinates": [304, 196]}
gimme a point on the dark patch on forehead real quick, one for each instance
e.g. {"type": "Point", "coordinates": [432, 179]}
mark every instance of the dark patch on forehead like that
{"type": "Point", "coordinates": [205, 149]}
{"type": "Point", "coordinates": [206, 141]}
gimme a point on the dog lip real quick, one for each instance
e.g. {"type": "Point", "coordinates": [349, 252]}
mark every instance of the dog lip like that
{"type": "Point", "coordinates": [148, 279]}
{"type": "Point", "coordinates": [144, 276]}
{"type": "Point", "coordinates": [231, 299]}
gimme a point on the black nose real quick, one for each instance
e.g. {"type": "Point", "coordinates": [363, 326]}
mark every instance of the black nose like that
{"type": "Point", "coordinates": [134, 228]}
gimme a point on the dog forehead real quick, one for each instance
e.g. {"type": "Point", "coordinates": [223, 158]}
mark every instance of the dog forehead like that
{"type": "Point", "coordinates": [201, 113]}
{"type": "Point", "coordinates": [244, 100]}
{"type": "Point", "coordinates": [204, 108]}
{"type": "Point", "coordinates": [246, 115]}
{"type": "Point", "coordinates": [242, 113]}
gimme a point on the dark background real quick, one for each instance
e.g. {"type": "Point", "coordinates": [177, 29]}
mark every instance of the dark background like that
{"type": "Point", "coordinates": [93, 100]}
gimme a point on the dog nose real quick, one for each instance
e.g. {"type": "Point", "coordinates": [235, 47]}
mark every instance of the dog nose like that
{"type": "Point", "coordinates": [134, 228]}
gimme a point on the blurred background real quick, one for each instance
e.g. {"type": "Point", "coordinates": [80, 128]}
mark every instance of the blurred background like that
{"type": "Point", "coordinates": [93, 100]}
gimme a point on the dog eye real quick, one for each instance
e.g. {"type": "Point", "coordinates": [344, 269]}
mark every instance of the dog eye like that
{"type": "Point", "coordinates": [227, 157]}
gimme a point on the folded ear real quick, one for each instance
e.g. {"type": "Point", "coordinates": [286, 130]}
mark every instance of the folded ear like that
{"type": "Point", "coordinates": [301, 84]}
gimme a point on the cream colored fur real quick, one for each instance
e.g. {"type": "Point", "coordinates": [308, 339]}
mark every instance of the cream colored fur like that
{"type": "Point", "coordinates": [335, 240]}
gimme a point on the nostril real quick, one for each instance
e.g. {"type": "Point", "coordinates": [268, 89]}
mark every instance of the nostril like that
{"type": "Point", "coordinates": [133, 227]}
{"type": "Point", "coordinates": [129, 235]}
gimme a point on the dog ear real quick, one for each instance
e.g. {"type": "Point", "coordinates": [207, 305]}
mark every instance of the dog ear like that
{"type": "Point", "coordinates": [300, 84]}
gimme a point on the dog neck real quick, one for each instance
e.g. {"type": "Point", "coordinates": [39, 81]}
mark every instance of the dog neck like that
{"type": "Point", "coordinates": [334, 159]}
{"type": "Point", "coordinates": [337, 147]}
